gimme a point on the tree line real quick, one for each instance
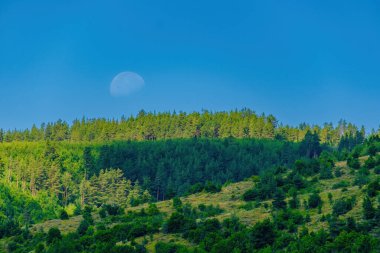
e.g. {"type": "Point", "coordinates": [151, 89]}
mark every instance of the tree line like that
{"type": "Point", "coordinates": [243, 123]}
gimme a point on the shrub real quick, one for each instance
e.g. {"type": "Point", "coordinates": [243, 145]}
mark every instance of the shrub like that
{"type": "Point", "coordinates": [279, 199]}
{"type": "Point", "coordinates": [53, 234]}
{"type": "Point", "coordinates": [152, 209]}
{"type": "Point", "coordinates": [370, 163]}
{"type": "Point", "coordinates": [70, 209]}
{"type": "Point", "coordinates": [162, 247]}
{"type": "Point", "coordinates": [177, 203]}
{"type": "Point", "coordinates": [340, 184]}
{"type": "Point", "coordinates": [353, 162]}
{"type": "Point", "coordinates": [83, 226]}
{"type": "Point", "coordinates": [325, 173]}
{"type": "Point", "coordinates": [212, 187]}
{"type": "Point", "coordinates": [263, 233]}
{"type": "Point", "coordinates": [342, 206]}
{"type": "Point", "coordinates": [373, 187]}
{"type": "Point", "coordinates": [113, 209]}
{"type": "Point", "coordinates": [250, 195]}
{"type": "Point", "coordinates": [102, 213]}
{"type": "Point", "coordinates": [338, 172]}
{"type": "Point", "coordinates": [178, 223]}
{"type": "Point", "coordinates": [198, 187]}
{"type": "Point", "coordinates": [209, 210]}
{"type": "Point", "coordinates": [87, 215]}
{"type": "Point", "coordinates": [361, 179]}
{"type": "Point", "coordinates": [314, 200]}
{"type": "Point", "coordinates": [64, 215]}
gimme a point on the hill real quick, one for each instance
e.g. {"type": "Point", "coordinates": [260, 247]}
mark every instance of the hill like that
{"type": "Point", "coordinates": [229, 204]}
{"type": "Point", "coordinates": [202, 194]}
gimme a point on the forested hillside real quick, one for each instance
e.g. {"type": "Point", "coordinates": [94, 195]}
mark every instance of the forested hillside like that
{"type": "Point", "coordinates": [127, 173]}
{"type": "Point", "coordinates": [88, 173]}
{"type": "Point", "coordinates": [157, 126]}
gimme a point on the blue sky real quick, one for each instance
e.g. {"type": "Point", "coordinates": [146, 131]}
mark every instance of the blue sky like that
{"type": "Point", "coordinates": [303, 61]}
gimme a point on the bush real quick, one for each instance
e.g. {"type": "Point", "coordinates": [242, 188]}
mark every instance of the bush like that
{"type": "Point", "coordinates": [177, 203]}
{"type": "Point", "coordinates": [102, 213]}
{"type": "Point", "coordinates": [342, 206]}
{"type": "Point", "coordinates": [162, 247]}
{"type": "Point", "coordinates": [361, 179]}
{"type": "Point", "coordinates": [370, 163]}
{"type": "Point", "coordinates": [373, 188]}
{"type": "Point", "coordinates": [314, 200]}
{"type": "Point", "coordinates": [179, 223]}
{"type": "Point", "coordinates": [53, 234]}
{"type": "Point", "coordinates": [87, 215]}
{"type": "Point", "coordinates": [353, 162]}
{"type": "Point", "coordinates": [77, 210]}
{"type": "Point", "coordinates": [70, 209]}
{"type": "Point", "coordinates": [263, 234]}
{"type": "Point", "coordinates": [340, 184]}
{"type": "Point", "coordinates": [212, 187]}
{"type": "Point", "coordinates": [250, 195]}
{"type": "Point", "coordinates": [198, 187]}
{"type": "Point", "coordinates": [64, 215]}
{"type": "Point", "coordinates": [338, 172]}
{"type": "Point", "coordinates": [83, 227]}
{"type": "Point", "coordinates": [40, 248]}
{"type": "Point", "coordinates": [209, 210]}
{"type": "Point", "coordinates": [325, 173]}
{"type": "Point", "coordinates": [113, 209]}
{"type": "Point", "coordinates": [152, 209]}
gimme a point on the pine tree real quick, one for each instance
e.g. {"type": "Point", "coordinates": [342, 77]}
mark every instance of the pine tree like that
{"type": "Point", "coordinates": [368, 210]}
{"type": "Point", "coordinates": [279, 199]}
{"type": "Point", "coordinates": [67, 184]}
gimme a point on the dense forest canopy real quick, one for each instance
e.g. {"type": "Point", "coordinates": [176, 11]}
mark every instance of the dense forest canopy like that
{"type": "Point", "coordinates": [244, 123]}
{"type": "Point", "coordinates": [102, 166]}
{"type": "Point", "coordinates": [72, 173]}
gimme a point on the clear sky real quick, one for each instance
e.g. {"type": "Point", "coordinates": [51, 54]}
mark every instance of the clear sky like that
{"type": "Point", "coordinates": [303, 61]}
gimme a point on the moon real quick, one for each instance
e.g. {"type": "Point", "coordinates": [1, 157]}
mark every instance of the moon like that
{"type": "Point", "coordinates": [126, 83]}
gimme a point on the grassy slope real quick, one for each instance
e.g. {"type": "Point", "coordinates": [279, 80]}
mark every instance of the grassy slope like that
{"type": "Point", "coordinates": [229, 199]}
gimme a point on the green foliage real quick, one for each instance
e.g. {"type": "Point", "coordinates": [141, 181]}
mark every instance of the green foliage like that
{"type": "Point", "coordinates": [87, 215]}
{"type": "Point", "coordinates": [340, 184]}
{"type": "Point", "coordinates": [353, 162]}
{"type": "Point", "coordinates": [342, 206]}
{"type": "Point", "coordinates": [212, 187]}
{"type": "Point", "coordinates": [179, 223]}
{"type": "Point", "coordinates": [64, 215]}
{"type": "Point", "coordinates": [294, 202]}
{"type": "Point", "coordinates": [40, 179]}
{"type": "Point", "coordinates": [310, 146]}
{"type": "Point", "coordinates": [368, 209]}
{"type": "Point", "coordinates": [263, 234]}
{"type": "Point", "coordinates": [53, 234]}
{"type": "Point", "coordinates": [177, 203]}
{"type": "Point", "coordinates": [314, 200]}
{"type": "Point", "coordinates": [264, 189]}
{"type": "Point", "coordinates": [361, 177]}
{"type": "Point", "coordinates": [83, 227]}
{"type": "Point", "coordinates": [373, 188]}
{"type": "Point", "coordinates": [287, 219]}
{"type": "Point", "coordinates": [279, 199]}
{"type": "Point", "coordinates": [325, 173]}
{"type": "Point", "coordinates": [162, 247]}
{"type": "Point", "coordinates": [244, 123]}
{"type": "Point", "coordinates": [113, 209]}
{"type": "Point", "coordinates": [206, 211]}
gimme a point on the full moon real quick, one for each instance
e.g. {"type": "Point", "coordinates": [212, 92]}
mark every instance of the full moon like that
{"type": "Point", "coordinates": [125, 83]}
